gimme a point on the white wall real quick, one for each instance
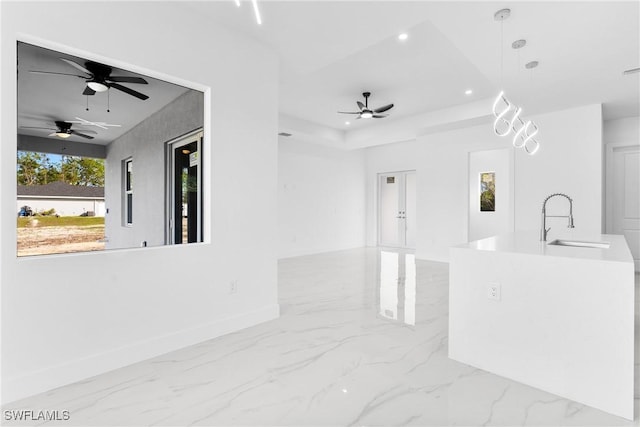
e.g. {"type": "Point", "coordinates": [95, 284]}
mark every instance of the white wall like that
{"type": "Point", "coordinates": [487, 224]}
{"type": "Point", "coordinates": [57, 327]}
{"type": "Point", "coordinates": [321, 198]}
{"type": "Point", "coordinates": [626, 130]}
{"type": "Point", "coordinates": [569, 160]}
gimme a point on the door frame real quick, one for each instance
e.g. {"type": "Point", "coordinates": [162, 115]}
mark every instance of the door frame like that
{"type": "Point", "coordinates": [378, 216]}
{"type": "Point", "coordinates": [608, 178]}
{"type": "Point", "coordinates": [171, 145]}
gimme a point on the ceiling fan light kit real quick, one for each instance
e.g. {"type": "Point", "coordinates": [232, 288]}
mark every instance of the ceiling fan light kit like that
{"type": "Point", "coordinates": [97, 86]}
{"type": "Point", "coordinates": [524, 131]}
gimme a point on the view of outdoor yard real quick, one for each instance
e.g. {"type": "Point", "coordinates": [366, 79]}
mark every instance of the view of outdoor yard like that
{"type": "Point", "coordinates": [54, 235]}
{"type": "Point", "coordinates": [60, 204]}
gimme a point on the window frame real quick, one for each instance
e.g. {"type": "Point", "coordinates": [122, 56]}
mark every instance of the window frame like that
{"type": "Point", "coordinates": [127, 192]}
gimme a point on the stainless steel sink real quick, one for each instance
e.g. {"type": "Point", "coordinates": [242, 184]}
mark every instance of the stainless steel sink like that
{"type": "Point", "coordinates": [580, 244]}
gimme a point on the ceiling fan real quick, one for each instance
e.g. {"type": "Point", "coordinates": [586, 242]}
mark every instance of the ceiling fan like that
{"type": "Point", "coordinates": [366, 112]}
{"type": "Point", "coordinates": [63, 130]}
{"type": "Point", "coordinates": [99, 78]}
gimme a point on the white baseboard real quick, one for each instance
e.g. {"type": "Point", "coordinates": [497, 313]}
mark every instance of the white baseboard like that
{"type": "Point", "coordinates": [19, 387]}
{"type": "Point", "coordinates": [317, 251]}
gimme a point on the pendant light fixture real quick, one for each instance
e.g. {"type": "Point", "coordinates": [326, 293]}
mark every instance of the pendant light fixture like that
{"type": "Point", "coordinates": [524, 131]}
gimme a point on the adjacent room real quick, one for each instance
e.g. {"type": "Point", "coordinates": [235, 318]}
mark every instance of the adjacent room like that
{"type": "Point", "coordinates": [313, 213]}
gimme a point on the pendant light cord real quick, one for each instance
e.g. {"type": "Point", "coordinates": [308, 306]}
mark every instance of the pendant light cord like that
{"type": "Point", "coordinates": [501, 53]}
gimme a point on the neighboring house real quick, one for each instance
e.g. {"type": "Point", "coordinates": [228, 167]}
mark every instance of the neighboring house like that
{"type": "Point", "coordinates": [67, 200]}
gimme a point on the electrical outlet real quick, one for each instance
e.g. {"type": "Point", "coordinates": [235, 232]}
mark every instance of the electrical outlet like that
{"type": "Point", "coordinates": [493, 291]}
{"type": "Point", "coordinates": [233, 286]}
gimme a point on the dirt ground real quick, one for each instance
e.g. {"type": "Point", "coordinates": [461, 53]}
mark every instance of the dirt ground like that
{"type": "Point", "coordinates": [59, 240]}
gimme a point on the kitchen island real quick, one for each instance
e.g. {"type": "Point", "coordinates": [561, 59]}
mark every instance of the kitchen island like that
{"type": "Point", "coordinates": [558, 318]}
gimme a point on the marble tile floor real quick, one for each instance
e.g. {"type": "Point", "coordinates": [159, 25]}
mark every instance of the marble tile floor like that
{"type": "Point", "coordinates": [362, 340]}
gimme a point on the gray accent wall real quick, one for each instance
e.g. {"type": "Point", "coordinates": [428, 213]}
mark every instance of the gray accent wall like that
{"type": "Point", "coordinates": [60, 146]}
{"type": "Point", "coordinates": [146, 145]}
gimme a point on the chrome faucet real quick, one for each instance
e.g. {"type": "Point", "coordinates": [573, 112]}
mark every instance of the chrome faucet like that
{"type": "Point", "coordinates": [544, 230]}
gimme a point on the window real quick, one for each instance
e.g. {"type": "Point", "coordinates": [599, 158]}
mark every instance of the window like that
{"type": "Point", "coordinates": [128, 192]}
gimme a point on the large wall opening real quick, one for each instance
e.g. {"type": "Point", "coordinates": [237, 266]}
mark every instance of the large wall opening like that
{"type": "Point", "coordinates": [78, 113]}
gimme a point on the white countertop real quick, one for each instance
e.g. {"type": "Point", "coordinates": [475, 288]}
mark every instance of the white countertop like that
{"type": "Point", "coordinates": [528, 243]}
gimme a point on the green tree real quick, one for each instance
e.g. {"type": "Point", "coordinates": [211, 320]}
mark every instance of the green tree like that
{"type": "Point", "coordinates": [37, 169]}
{"type": "Point", "coordinates": [33, 168]}
{"type": "Point", "coordinates": [83, 171]}
{"type": "Point", "coordinates": [92, 172]}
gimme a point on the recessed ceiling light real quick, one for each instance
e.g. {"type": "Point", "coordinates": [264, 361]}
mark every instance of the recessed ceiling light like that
{"type": "Point", "coordinates": [468, 92]}
{"type": "Point", "coordinates": [347, 123]}
{"type": "Point", "coordinates": [403, 36]}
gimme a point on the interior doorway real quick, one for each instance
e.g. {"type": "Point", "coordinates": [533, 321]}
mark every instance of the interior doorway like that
{"type": "Point", "coordinates": [397, 209]}
{"type": "Point", "coordinates": [623, 195]}
{"type": "Point", "coordinates": [184, 207]}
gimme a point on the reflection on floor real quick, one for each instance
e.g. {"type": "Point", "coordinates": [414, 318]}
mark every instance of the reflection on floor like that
{"type": "Point", "coordinates": [362, 340]}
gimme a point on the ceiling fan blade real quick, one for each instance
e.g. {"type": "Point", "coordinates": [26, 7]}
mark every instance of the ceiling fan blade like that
{"type": "Point", "coordinates": [360, 105]}
{"type": "Point", "coordinates": [58, 74]}
{"type": "Point", "coordinates": [129, 91]}
{"type": "Point", "coordinates": [88, 91]}
{"type": "Point", "coordinates": [348, 112]}
{"type": "Point", "coordinates": [77, 66]}
{"type": "Point", "coordinates": [123, 79]}
{"type": "Point", "coordinates": [31, 127]}
{"type": "Point", "coordinates": [84, 122]}
{"type": "Point", "coordinates": [78, 122]}
{"type": "Point", "coordinates": [91, 132]}
{"type": "Point", "coordinates": [75, 132]}
{"type": "Point", "coordinates": [379, 116]}
{"type": "Point", "coordinates": [383, 109]}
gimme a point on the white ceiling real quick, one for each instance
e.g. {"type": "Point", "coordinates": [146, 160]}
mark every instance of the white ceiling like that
{"type": "Point", "coordinates": [44, 99]}
{"type": "Point", "coordinates": [333, 51]}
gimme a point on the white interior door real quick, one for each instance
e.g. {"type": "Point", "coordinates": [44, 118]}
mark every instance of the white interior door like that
{"type": "Point", "coordinates": [397, 209]}
{"type": "Point", "coordinates": [623, 195]}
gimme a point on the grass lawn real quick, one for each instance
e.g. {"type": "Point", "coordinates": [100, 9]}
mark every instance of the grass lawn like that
{"type": "Point", "coordinates": [63, 221]}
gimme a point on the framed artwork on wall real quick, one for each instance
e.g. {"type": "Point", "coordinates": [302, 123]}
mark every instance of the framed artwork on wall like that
{"type": "Point", "coordinates": [487, 192]}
